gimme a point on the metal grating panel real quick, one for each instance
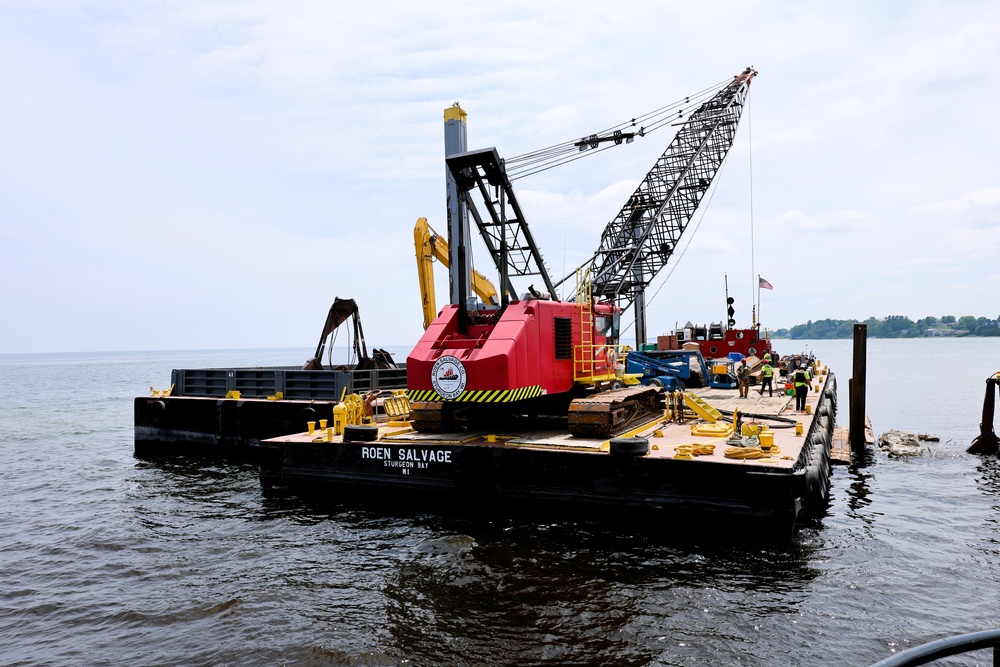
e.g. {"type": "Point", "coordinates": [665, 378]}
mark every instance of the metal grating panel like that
{"type": "Point", "coordinates": [564, 337]}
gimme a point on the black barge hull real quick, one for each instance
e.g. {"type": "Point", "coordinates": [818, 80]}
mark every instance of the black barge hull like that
{"type": "Point", "coordinates": [482, 476]}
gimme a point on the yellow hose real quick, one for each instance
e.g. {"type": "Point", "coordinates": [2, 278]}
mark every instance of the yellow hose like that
{"type": "Point", "coordinates": [750, 452]}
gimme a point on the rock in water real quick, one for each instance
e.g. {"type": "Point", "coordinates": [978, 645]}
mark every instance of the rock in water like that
{"type": "Point", "coordinates": [900, 443]}
{"type": "Point", "coordinates": [929, 437]}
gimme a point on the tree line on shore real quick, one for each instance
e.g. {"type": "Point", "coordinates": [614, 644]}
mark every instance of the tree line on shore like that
{"type": "Point", "coordinates": [894, 326]}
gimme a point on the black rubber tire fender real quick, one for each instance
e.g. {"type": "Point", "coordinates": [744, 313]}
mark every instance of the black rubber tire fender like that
{"type": "Point", "coordinates": [819, 437]}
{"type": "Point", "coordinates": [634, 446]}
{"type": "Point", "coordinates": [307, 415]}
{"type": "Point", "coordinates": [814, 485]}
{"type": "Point", "coordinates": [824, 424]}
{"type": "Point", "coordinates": [360, 433]}
{"type": "Point", "coordinates": [157, 409]}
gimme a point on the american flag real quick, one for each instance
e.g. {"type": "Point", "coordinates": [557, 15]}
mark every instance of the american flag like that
{"type": "Point", "coordinates": [763, 283]}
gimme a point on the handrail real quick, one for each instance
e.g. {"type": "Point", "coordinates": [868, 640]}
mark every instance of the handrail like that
{"type": "Point", "coordinates": [942, 648]}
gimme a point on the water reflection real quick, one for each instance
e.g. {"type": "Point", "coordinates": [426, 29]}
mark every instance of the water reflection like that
{"type": "Point", "coordinates": [167, 494]}
{"type": "Point", "coordinates": [579, 592]}
{"type": "Point", "coordinates": [989, 483]}
{"type": "Point", "coordinates": [989, 471]}
{"type": "Point", "coordinates": [191, 478]}
{"type": "Point", "coordinates": [858, 492]}
{"type": "Point", "coordinates": [361, 581]}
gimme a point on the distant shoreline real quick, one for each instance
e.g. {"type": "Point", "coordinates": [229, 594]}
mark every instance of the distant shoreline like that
{"type": "Point", "coordinates": [895, 326]}
{"type": "Point", "coordinates": [952, 337]}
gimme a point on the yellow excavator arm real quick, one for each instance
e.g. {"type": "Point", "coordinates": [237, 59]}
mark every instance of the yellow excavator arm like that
{"type": "Point", "coordinates": [430, 246]}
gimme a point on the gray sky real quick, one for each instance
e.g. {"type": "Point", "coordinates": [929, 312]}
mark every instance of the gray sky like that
{"type": "Point", "coordinates": [211, 174]}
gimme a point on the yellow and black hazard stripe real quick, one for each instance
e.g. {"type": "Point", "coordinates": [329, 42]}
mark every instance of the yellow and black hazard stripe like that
{"type": "Point", "coordinates": [479, 396]}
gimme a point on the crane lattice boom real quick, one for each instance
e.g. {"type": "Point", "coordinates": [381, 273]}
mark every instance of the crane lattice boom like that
{"type": "Point", "coordinates": [643, 236]}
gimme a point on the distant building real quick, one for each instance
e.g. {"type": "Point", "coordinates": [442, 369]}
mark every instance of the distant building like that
{"type": "Point", "coordinates": [934, 331]}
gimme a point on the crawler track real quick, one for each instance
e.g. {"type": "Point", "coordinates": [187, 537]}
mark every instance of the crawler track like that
{"type": "Point", "coordinates": [602, 415]}
{"type": "Point", "coordinates": [609, 413]}
{"type": "Point", "coordinates": [429, 416]}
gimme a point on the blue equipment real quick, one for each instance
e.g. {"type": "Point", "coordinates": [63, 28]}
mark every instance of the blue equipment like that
{"type": "Point", "coordinates": [672, 369]}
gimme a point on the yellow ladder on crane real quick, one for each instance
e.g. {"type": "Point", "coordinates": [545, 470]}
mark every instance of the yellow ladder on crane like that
{"type": "Point", "coordinates": [583, 354]}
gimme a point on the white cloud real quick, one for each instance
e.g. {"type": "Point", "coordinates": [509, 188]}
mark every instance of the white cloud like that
{"type": "Point", "coordinates": [244, 163]}
{"type": "Point", "coordinates": [984, 198]}
{"type": "Point", "coordinates": [834, 222]}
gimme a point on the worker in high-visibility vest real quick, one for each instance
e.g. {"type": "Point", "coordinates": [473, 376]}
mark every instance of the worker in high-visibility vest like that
{"type": "Point", "coordinates": [743, 377]}
{"type": "Point", "coordinates": [767, 378]}
{"type": "Point", "coordinates": [801, 378]}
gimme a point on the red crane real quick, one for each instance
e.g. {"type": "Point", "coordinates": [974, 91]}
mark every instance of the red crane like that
{"type": "Point", "coordinates": [534, 355]}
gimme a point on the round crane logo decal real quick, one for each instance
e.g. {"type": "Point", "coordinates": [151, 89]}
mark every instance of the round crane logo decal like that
{"type": "Point", "coordinates": [448, 377]}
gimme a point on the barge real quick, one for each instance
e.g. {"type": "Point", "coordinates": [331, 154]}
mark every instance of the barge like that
{"type": "Point", "coordinates": [523, 400]}
{"type": "Point", "coordinates": [677, 465]}
{"type": "Point", "coordinates": [228, 411]}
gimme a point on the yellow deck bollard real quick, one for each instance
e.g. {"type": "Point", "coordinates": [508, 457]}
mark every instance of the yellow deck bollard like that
{"type": "Point", "coordinates": [339, 418]}
{"type": "Point", "coordinates": [766, 440]}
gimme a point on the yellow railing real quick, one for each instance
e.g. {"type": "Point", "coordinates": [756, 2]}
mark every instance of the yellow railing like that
{"type": "Point", "coordinates": [596, 362]}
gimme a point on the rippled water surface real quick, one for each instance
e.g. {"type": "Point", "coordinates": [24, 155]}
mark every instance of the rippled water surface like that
{"type": "Point", "coordinates": [108, 559]}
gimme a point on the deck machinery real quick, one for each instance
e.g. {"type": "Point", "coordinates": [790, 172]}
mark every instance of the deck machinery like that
{"type": "Point", "coordinates": [537, 355]}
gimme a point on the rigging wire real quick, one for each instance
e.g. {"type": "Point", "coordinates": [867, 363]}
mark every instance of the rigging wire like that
{"type": "Point", "coordinates": [546, 158]}
{"type": "Point", "coordinates": [333, 341]}
{"type": "Point", "coordinates": [753, 268]}
{"type": "Point", "coordinates": [705, 93]}
{"type": "Point", "coordinates": [533, 163]}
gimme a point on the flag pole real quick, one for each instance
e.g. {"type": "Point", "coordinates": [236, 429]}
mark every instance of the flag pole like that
{"type": "Point", "coordinates": [758, 298]}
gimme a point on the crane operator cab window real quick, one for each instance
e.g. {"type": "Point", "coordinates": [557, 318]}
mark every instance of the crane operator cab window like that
{"type": "Point", "coordinates": [607, 326]}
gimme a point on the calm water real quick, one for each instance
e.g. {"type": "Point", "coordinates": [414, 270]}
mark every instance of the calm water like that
{"type": "Point", "coordinates": [106, 559]}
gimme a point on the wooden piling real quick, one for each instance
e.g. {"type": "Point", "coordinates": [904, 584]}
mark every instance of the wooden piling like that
{"type": "Point", "coordinates": [857, 388]}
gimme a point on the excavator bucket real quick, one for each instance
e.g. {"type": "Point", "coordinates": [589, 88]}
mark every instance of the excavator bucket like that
{"type": "Point", "coordinates": [339, 312]}
{"type": "Point", "coordinates": [986, 442]}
